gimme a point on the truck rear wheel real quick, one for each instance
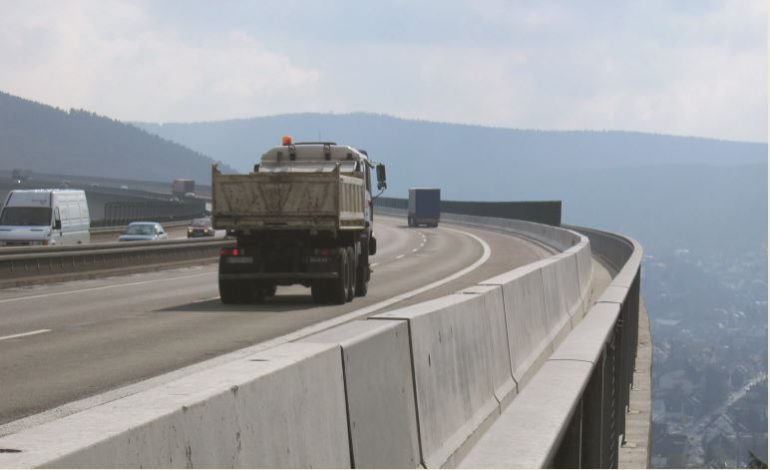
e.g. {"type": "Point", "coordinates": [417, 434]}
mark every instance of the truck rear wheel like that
{"type": "Point", "coordinates": [362, 272]}
{"type": "Point", "coordinates": [352, 268]}
{"type": "Point", "coordinates": [338, 293]}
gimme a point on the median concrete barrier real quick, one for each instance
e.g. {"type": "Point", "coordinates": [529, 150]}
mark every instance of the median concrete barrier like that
{"type": "Point", "coordinates": [461, 367]}
{"type": "Point", "coordinates": [33, 265]}
{"type": "Point", "coordinates": [382, 416]}
{"type": "Point", "coordinates": [283, 407]}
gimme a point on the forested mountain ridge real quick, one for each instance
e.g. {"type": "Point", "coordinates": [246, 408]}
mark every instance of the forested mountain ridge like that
{"type": "Point", "coordinates": [416, 146]}
{"type": "Point", "coordinates": [42, 138]}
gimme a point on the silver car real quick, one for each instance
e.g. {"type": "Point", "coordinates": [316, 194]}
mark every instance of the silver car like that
{"type": "Point", "coordinates": [143, 231]}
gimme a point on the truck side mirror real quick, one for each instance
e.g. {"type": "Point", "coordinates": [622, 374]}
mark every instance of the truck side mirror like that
{"type": "Point", "coordinates": [382, 182]}
{"type": "Point", "coordinates": [57, 224]}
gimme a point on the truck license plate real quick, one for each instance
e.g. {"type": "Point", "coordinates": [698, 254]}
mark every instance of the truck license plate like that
{"type": "Point", "coordinates": [240, 260]}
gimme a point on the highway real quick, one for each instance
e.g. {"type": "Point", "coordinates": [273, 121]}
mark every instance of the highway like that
{"type": "Point", "coordinates": [68, 341]}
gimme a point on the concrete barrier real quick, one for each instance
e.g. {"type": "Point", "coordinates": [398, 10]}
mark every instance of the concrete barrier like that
{"type": "Point", "coordinates": [572, 412]}
{"type": "Point", "coordinates": [528, 434]}
{"type": "Point", "coordinates": [461, 367]}
{"type": "Point", "coordinates": [555, 237]}
{"type": "Point", "coordinates": [34, 265]}
{"type": "Point", "coordinates": [379, 389]}
{"type": "Point", "coordinates": [283, 407]}
{"type": "Point", "coordinates": [529, 340]}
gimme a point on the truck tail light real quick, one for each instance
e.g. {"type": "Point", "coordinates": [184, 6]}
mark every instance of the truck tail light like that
{"type": "Point", "coordinates": [229, 252]}
{"type": "Point", "coordinates": [323, 251]}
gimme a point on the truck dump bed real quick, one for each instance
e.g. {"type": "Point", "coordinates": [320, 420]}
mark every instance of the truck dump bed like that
{"type": "Point", "coordinates": [287, 201]}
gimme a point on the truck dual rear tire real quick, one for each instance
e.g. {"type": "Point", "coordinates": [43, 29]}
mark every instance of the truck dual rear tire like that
{"type": "Point", "coordinates": [345, 287]}
{"type": "Point", "coordinates": [352, 271]}
{"type": "Point", "coordinates": [338, 293]}
{"type": "Point", "coordinates": [362, 272]}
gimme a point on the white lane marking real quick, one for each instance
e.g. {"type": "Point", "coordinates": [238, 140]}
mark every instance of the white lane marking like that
{"type": "Point", "coordinates": [21, 335]}
{"type": "Point", "coordinates": [96, 400]}
{"type": "Point", "coordinates": [111, 286]}
{"type": "Point", "coordinates": [374, 264]}
{"type": "Point", "coordinates": [399, 256]}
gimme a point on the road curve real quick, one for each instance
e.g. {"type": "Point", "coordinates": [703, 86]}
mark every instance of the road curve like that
{"type": "Point", "coordinates": [63, 342]}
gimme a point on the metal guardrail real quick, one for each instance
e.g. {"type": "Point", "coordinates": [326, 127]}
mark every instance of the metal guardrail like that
{"type": "Point", "coordinates": [599, 421]}
{"type": "Point", "coordinates": [28, 265]}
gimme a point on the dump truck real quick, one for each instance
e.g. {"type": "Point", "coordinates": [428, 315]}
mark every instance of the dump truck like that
{"type": "Point", "coordinates": [424, 207]}
{"type": "Point", "coordinates": [303, 216]}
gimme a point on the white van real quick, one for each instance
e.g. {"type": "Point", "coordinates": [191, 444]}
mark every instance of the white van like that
{"type": "Point", "coordinates": [45, 217]}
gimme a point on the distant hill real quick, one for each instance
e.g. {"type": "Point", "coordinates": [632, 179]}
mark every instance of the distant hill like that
{"type": "Point", "coordinates": [670, 192]}
{"type": "Point", "coordinates": [426, 153]}
{"type": "Point", "coordinates": [49, 140]}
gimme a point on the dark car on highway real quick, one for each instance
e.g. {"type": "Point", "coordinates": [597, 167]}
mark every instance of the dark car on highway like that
{"type": "Point", "coordinates": [200, 228]}
{"type": "Point", "coordinates": [143, 232]}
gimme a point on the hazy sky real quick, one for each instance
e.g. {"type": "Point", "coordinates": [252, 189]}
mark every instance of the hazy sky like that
{"type": "Point", "coordinates": [668, 66]}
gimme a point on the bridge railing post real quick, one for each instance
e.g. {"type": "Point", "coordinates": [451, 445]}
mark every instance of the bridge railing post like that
{"type": "Point", "coordinates": [570, 450]}
{"type": "Point", "coordinates": [595, 418]}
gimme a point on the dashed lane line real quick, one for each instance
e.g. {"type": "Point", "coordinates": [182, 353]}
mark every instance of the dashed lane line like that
{"type": "Point", "coordinates": [21, 335]}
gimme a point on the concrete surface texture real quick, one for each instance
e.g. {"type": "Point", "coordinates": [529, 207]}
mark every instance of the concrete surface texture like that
{"type": "Point", "coordinates": [526, 436]}
{"type": "Point", "coordinates": [461, 367]}
{"type": "Point", "coordinates": [281, 408]}
{"type": "Point", "coordinates": [382, 416]}
{"type": "Point", "coordinates": [529, 340]}
{"type": "Point", "coordinates": [557, 313]}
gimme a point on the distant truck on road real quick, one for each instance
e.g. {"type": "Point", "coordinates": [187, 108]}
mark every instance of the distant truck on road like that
{"type": "Point", "coordinates": [424, 207]}
{"type": "Point", "coordinates": [181, 187]}
{"type": "Point", "coordinates": [45, 217]}
{"type": "Point", "coordinates": [303, 216]}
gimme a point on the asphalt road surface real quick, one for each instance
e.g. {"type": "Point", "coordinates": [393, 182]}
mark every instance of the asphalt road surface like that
{"type": "Point", "coordinates": [68, 341]}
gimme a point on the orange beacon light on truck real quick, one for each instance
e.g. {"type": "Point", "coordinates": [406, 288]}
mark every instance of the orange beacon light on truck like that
{"type": "Point", "coordinates": [287, 140]}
